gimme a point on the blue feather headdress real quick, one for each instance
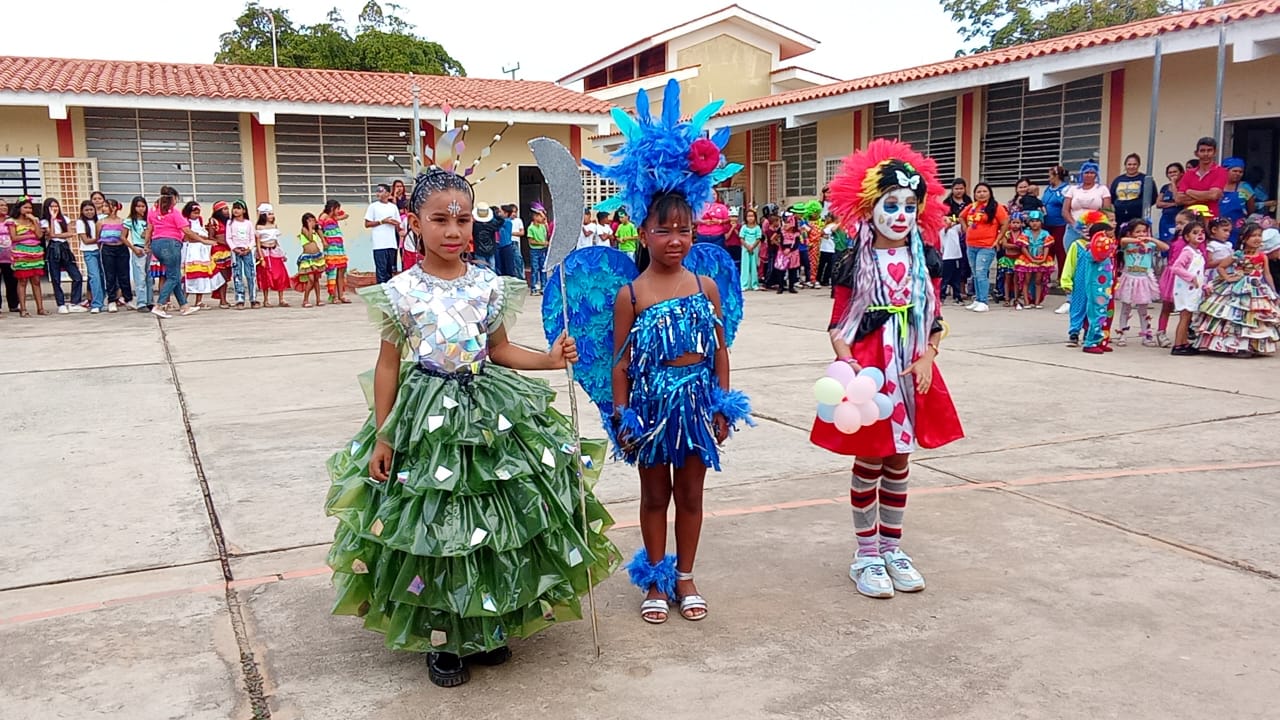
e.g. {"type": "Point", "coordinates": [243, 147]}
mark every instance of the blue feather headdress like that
{"type": "Point", "coordinates": [665, 155]}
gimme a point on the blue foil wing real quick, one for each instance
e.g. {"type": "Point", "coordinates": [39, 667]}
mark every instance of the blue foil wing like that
{"type": "Point", "coordinates": [715, 262]}
{"type": "Point", "coordinates": [593, 277]}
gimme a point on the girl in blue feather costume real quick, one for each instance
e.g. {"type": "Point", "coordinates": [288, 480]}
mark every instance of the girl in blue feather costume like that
{"type": "Point", "coordinates": [672, 401]}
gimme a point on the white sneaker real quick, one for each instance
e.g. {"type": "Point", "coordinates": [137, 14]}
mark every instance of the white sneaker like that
{"type": "Point", "coordinates": [1063, 309]}
{"type": "Point", "coordinates": [76, 308]}
{"type": "Point", "coordinates": [904, 575]}
{"type": "Point", "coordinates": [94, 311]}
{"type": "Point", "coordinates": [190, 311]}
{"type": "Point", "coordinates": [62, 310]}
{"type": "Point", "coordinates": [870, 577]}
{"type": "Point", "coordinates": [981, 307]}
{"type": "Point", "coordinates": [971, 305]}
{"type": "Point", "coordinates": [160, 313]}
{"type": "Point", "coordinates": [112, 308]}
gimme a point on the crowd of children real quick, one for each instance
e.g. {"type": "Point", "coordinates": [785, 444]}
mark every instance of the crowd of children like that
{"type": "Point", "coordinates": [151, 256]}
{"type": "Point", "coordinates": [1225, 297]}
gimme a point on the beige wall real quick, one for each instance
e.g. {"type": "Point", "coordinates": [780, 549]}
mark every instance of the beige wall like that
{"type": "Point", "coordinates": [835, 140]}
{"type": "Point", "coordinates": [731, 70]}
{"type": "Point", "coordinates": [28, 132]}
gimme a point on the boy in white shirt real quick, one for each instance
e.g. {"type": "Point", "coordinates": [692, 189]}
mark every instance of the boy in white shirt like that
{"type": "Point", "coordinates": [952, 262]}
{"type": "Point", "coordinates": [589, 230]}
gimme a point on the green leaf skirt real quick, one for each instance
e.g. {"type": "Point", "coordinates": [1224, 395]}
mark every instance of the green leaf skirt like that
{"type": "Point", "coordinates": [478, 535]}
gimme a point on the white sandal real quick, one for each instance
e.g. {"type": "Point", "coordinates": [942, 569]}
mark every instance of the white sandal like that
{"type": "Point", "coordinates": [691, 602]}
{"type": "Point", "coordinates": [654, 605]}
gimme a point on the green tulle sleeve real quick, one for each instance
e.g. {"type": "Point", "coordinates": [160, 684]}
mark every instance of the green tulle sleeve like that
{"type": "Point", "coordinates": [506, 303]}
{"type": "Point", "coordinates": [383, 315]}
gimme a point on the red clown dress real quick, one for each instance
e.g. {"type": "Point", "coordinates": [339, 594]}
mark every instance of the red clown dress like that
{"type": "Point", "coordinates": [894, 290]}
{"type": "Point", "coordinates": [925, 420]}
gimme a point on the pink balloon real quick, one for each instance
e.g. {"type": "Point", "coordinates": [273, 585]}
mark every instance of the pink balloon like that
{"type": "Point", "coordinates": [848, 418]}
{"type": "Point", "coordinates": [842, 372]}
{"type": "Point", "coordinates": [869, 413]}
{"type": "Point", "coordinates": [860, 390]}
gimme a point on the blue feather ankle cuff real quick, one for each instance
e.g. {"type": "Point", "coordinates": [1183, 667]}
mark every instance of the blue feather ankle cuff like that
{"type": "Point", "coordinates": [645, 574]}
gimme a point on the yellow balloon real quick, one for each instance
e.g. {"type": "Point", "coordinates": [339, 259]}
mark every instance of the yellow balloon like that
{"type": "Point", "coordinates": [828, 391]}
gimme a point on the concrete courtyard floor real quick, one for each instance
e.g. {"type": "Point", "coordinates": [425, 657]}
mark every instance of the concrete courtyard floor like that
{"type": "Point", "coordinates": [1104, 544]}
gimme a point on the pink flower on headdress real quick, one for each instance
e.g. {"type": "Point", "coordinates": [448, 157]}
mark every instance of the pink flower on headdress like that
{"type": "Point", "coordinates": [704, 156]}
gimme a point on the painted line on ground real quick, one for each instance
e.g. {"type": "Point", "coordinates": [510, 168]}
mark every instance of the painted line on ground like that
{"type": "Point", "coordinates": [1009, 486]}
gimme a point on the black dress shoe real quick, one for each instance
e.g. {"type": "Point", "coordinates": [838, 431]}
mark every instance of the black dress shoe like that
{"type": "Point", "coordinates": [447, 670]}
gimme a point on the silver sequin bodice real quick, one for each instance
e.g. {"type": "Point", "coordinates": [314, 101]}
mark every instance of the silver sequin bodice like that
{"type": "Point", "coordinates": [446, 323]}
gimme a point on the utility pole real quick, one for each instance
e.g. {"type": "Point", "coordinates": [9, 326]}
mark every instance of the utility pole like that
{"type": "Point", "coordinates": [275, 51]}
{"type": "Point", "coordinates": [511, 70]}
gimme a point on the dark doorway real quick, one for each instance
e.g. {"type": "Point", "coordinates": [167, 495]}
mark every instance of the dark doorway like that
{"type": "Point", "coordinates": [533, 188]}
{"type": "Point", "coordinates": [1257, 141]}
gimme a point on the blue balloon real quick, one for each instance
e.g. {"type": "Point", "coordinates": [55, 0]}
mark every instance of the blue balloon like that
{"type": "Point", "coordinates": [827, 412]}
{"type": "Point", "coordinates": [876, 375]}
{"type": "Point", "coordinates": [884, 404]}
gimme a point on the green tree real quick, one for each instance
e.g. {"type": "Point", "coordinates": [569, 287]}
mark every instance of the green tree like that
{"type": "Point", "coordinates": [383, 42]}
{"type": "Point", "coordinates": [1004, 23]}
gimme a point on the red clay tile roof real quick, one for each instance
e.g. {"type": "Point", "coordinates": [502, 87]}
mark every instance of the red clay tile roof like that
{"type": "Point", "coordinates": [1079, 41]}
{"type": "Point", "coordinates": [246, 82]}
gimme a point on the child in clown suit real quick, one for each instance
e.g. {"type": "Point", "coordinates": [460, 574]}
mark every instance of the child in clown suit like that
{"type": "Point", "coordinates": [1088, 275]}
{"type": "Point", "coordinates": [886, 316]}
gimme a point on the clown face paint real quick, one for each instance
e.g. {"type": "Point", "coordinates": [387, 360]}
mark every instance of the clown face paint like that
{"type": "Point", "coordinates": [895, 214]}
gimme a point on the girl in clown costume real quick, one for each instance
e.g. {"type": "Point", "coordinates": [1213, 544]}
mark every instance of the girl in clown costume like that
{"type": "Point", "coordinates": [886, 316]}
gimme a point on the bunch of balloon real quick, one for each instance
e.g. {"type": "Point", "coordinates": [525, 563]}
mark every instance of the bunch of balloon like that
{"type": "Point", "coordinates": [850, 399]}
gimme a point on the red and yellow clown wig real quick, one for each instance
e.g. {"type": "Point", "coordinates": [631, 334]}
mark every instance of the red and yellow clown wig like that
{"type": "Point", "coordinates": [868, 174]}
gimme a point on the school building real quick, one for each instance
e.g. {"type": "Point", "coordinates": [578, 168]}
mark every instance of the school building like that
{"type": "Point", "coordinates": [995, 116]}
{"type": "Point", "coordinates": [290, 137]}
{"type": "Point", "coordinates": [298, 137]}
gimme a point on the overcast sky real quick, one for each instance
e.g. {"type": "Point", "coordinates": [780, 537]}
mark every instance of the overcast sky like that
{"type": "Point", "coordinates": [547, 39]}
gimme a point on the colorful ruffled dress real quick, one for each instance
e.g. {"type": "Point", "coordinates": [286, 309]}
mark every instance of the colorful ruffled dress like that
{"type": "Point", "coordinates": [671, 409]}
{"type": "Point", "coordinates": [200, 274]}
{"type": "Point", "coordinates": [335, 252]}
{"type": "Point", "coordinates": [28, 255]}
{"type": "Point", "coordinates": [220, 253]}
{"type": "Point", "coordinates": [478, 535]}
{"type": "Point", "coordinates": [887, 339]}
{"type": "Point", "coordinates": [1036, 257]}
{"type": "Point", "coordinates": [311, 266]}
{"type": "Point", "coordinates": [1240, 316]}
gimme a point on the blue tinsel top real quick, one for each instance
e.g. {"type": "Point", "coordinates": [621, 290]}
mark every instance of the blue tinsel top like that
{"type": "Point", "coordinates": [667, 331]}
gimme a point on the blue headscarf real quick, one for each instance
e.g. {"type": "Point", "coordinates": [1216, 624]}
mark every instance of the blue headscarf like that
{"type": "Point", "coordinates": [1090, 166]}
{"type": "Point", "coordinates": [1233, 162]}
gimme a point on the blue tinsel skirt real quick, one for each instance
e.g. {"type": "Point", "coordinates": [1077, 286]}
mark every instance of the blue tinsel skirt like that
{"type": "Point", "coordinates": [670, 416]}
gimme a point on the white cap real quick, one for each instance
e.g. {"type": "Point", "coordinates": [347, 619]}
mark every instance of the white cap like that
{"type": "Point", "coordinates": [265, 208]}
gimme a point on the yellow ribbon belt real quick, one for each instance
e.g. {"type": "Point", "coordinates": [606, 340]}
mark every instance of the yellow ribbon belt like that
{"type": "Point", "coordinates": [900, 310]}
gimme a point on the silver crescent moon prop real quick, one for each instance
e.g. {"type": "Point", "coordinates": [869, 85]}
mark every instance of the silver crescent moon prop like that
{"type": "Point", "coordinates": [560, 170]}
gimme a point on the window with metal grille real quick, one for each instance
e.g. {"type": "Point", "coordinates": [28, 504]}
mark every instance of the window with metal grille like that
{"type": "Point", "coordinates": [198, 153]}
{"type": "Point", "coordinates": [20, 176]}
{"type": "Point", "coordinates": [800, 153]}
{"type": "Point", "coordinates": [318, 158]}
{"type": "Point", "coordinates": [930, 129]}
{"type": "Point", "coordinates": [760, 144]}
{"type": "Point", "coordinates": [830, 167]}
{"type": "Point", "coordinates": [1029, 132]}
{"type": "Point", "coordinates": [596, 189]}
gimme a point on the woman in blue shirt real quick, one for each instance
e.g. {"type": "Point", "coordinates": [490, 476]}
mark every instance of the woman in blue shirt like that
{"type": "Point", "coordinates": [1167, 203]}
{"type": "Point", "coordinates": [1054, 221]}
